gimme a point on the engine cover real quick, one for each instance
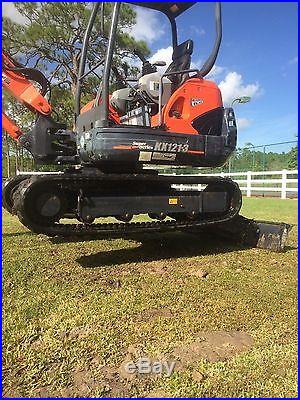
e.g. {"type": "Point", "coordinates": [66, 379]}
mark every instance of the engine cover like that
{"type": "Point", "coordinates": [196, 97]}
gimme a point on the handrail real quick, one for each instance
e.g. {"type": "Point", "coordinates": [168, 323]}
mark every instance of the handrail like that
{"type": "Point", "coordinates": [83, 57]}
{"type": "Point", "coordinates": [210, 62]}
{"type": "Point", "coordinates": [103, 120]}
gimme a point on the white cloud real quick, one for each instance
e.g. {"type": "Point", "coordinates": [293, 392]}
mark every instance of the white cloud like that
{"type": "Point", "coordinates": [197, 31]}
{"type": "Point", "coordinates": [196, 64]}
{"type": "Point", "coordinates": [232, 87]}
{"type": "Point", "coordinates": [243, 123]}
{"type": "Point", "coordinates": [294, 60]}
{"type": "Point", "coordinates": [9, 10]}
{"type": "Point", "coordinates": [147, 27]}
{"type": "Point", "coordinates": [215, 72]}
{"type": "Point", "coordinates": [163, 54]}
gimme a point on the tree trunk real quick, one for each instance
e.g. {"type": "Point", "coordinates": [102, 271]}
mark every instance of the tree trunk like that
{"type": "Point", "coordinates": [7, 156]}
{"type": "Point", "coordinates": [74, 83]}
{"type": "Point", "coordinates": [21, 159]}
{"type": "Point", "coordinates": [17, 158]}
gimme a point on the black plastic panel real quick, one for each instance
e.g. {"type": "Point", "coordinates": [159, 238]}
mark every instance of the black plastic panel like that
{"type": "Point", "coordinates": [199, 202]}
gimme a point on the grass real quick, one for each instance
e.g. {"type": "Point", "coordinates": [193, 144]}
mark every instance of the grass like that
{"type": "Point", "coordinates": [73, 312]}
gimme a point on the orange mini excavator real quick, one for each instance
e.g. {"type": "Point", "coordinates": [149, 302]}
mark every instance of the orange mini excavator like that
{"type": "Point", "coordinates": [176, 118]}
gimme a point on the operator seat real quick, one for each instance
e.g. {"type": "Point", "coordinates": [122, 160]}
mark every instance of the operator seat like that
{"type": "Point", "coordinates": [181, 60]}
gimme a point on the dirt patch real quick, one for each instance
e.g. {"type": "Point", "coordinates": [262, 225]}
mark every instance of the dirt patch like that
{"type": "Point", "coordinates": [198, 377]}
{"type": "Point", "coordinates": [157, 394]}
{"type": "Point", "coordinates": [157, 268]}
{"type": "Point", "coordinates": [214, 346]}
{"type": "Point", "coordinates": [200, 273]}
{"type": "Point", "coordinates": [153, 313]}
{"type": "Point", "coordinates": [43, 392]}
{"type": "Point", "coordinates": [83, 381]}
{"type": "Point", "coordinates": [109, 383]}
{"type": "Point", "coordinates": [78, 332]}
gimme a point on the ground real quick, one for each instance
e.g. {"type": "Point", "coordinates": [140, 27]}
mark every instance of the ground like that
{"type": "Point", "coordinates": [75, 313]}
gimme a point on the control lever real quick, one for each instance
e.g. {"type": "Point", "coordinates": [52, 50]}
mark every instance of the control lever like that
{"type": "Point", "coordinates": [159, 63]}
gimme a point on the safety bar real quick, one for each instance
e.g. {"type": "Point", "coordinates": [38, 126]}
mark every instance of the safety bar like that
{"type": "Point", "coordinates": [210, 62]}
{"type": "Point", "coordinates": [103, 120]}
{"type": "Point", "coordinates": [92, 70]}
{"type": "Point", "coordinates": [83, 57]}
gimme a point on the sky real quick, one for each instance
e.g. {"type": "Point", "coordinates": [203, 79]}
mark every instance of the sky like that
{"type": "Point", "coordinates": [258, 58]}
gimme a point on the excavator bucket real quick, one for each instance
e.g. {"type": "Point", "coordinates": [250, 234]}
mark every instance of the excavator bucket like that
{"type": "Point", "coordinates": [271, 235]}
{"type": "Point", "coordinates": [248, 232]}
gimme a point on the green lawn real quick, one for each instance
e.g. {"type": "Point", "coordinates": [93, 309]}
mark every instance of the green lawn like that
{"type": "Point", "coordinates": [73, 312]}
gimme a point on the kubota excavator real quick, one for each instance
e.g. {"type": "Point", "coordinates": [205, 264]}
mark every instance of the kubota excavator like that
{"type": "Point", "coordinates": [176, 118]}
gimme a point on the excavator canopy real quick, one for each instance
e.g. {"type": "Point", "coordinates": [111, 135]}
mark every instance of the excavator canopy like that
{"type": "Point", "coordinates": [171, 9]}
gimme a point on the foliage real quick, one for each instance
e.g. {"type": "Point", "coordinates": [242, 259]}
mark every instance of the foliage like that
{"type": "Point", "coordinates": [246, 159]}
{"type": "Point", "coordinates": [293, 158]}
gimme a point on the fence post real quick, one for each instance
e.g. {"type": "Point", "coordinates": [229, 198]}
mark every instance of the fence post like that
{"type": "Point", "coordinates": [248, 183]}
{"type": "Point", "coordinates": [283, 184]}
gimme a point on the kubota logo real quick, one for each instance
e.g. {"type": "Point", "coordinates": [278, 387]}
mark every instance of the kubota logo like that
{"type": "Point", "coordinates": [195, 102]}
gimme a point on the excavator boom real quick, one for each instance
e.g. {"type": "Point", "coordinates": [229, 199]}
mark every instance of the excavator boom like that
{"type": "Point", "coordinates": [17, 80]}
{"type": "Point", "coordinates": [48, 141]}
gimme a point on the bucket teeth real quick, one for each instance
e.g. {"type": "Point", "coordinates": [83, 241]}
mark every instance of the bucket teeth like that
{"type": "Point", "coordinates": [248, 232]}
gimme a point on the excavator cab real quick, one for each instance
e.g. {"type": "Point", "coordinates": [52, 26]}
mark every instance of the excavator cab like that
{"type": "Point", "coordinates": [173, 118]}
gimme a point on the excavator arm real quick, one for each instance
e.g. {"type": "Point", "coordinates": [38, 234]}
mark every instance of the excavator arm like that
{"type": "Point", "coordinates": [10, 127]}
{"type": "Point", "coordinates": [48, 141]}
{"type": "Point", "coordinates": [16, 80]}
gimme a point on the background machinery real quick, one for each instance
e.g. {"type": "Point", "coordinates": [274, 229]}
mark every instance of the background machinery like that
{"type": "Point", "coordinates": [176, 118]}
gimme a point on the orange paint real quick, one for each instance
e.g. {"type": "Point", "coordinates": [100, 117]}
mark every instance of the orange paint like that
{"type": "Point", "coordinates": [22, 89]}
{"type": "Point", "coordinates": [179, 112]}
{"type": "Point", "coordinates": [195, 151]}
{"type": "Point", "coordinates": [112, 112]}
{"type": "Point", "coordinates": [124, 147]}
{"type": "Point", "coordinates": [10, 127]}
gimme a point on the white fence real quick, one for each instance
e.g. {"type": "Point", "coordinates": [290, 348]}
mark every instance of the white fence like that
{"type": "Point", "coordinates": [276, 183]}
{"type": "Point", "coordinates": [273, 183]}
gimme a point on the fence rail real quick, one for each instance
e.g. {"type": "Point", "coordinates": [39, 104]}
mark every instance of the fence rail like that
{"type": "Point", "coordinates": [277, 182]}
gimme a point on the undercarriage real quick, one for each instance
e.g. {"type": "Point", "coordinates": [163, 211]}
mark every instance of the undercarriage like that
{"type": "Point", "coordinates": [42, 201]}
{"type": "Point", "coordinates": [49, 204]}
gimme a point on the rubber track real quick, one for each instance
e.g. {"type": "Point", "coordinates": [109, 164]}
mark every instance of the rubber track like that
{"type": "Point", "coordinates": [116, 229]}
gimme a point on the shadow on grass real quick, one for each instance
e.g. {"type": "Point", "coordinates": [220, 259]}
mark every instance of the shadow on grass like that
{"type": "Point", "coordinates": [13, 234]}
{"type": "Point", "coordinates": [162, 247]}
